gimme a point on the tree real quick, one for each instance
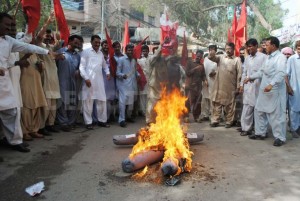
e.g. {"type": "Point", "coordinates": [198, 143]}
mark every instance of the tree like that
{"type": "Point", "coordinates": [208, 19]}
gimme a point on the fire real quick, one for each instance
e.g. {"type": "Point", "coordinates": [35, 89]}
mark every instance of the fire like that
{"type": "Point", "coordinates": [141, 174]}
{"type": "Point", "coordinates": [167, 133]}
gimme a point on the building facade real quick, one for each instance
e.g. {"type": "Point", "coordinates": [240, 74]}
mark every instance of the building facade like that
{"type": "Point", "coordinates": [88, 17]}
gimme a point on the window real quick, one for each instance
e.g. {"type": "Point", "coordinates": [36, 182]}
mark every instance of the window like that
{"type": "Point", "coordinates": [87, 31]}
{"type": "Point", "coordinates": [72, 4]}
{"type": "Point", "coordinates": [137, 14]}
{"type": "Point", "coordinates": [151, 20]}
{"type": "Point", "coordinates": [74, 27]}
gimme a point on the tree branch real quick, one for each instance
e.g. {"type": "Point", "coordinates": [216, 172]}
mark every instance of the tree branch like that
{"type": "Point", "coordinates": [260, 17]}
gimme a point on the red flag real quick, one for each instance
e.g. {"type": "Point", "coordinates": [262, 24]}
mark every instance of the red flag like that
{"type": "Point", "coordinates": [61, 21]}
{"type": "Point", "coordinates": [184, 53]}
{"type": "Point", "coordinates": [240, 33]}
{"type": "Point", "coordinates": [142, 81]}
{"type": "Point", "coordinates": [242, 21]}
{"type": "Point", "coordinates": [126, 38]}
{"type": "Point", "coordinates": [234, 23]}
{"type": "Point", "coordinates": [137, 51]}
{"type": "Point", "coordinates": [32, 8]}
{"type": "Point", "coordinates": [231, 31]}
{"type": "Point", "coordinates": [111, 52]}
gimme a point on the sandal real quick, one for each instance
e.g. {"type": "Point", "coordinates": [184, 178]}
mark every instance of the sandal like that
{"type": "Point", "coordinates": [36, 135]}
{"type": "Point", "coordinates": [27, 137]}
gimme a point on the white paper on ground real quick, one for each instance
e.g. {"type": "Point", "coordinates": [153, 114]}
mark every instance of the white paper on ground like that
{"type": "Point", "coordinates": [35, 189]}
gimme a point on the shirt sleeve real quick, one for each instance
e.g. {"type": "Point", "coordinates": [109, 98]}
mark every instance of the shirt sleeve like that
{"type": "Point", "coordinates": [119, 72]}
{"type": "Point", "coordinates": [280, 70]}
{"type": "Point", "coordinates": [83, 65]}
{"type": "Point", "coordinates": [239, 72]}
{"type": "Point", "coordinates": [289, 67]}
{"type": "Point", "coordinates": [18, 46]}
{"type": "Point", "coordinates": [244, 73]}
{"type": "Point", "coordinates": [105, 66]}
{"type": "Point", "coordinates": [155, 57]}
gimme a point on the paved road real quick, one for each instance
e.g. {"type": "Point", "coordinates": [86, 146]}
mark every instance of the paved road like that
{"type": "Point", "coordinates": [86, 166]}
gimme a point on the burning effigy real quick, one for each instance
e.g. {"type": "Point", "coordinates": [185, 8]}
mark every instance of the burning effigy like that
{"type": "Point", "coordinates": [165, 140]}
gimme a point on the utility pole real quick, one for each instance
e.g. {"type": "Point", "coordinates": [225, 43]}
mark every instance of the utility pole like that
{"type": "Point", "coordinates": [119, 32]}
{"type": "Point", "coordinates": [102, 16]}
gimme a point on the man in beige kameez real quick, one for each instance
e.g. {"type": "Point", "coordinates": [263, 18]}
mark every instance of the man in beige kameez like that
{"type": "Point", "coordinates": [34, 101]}
{"type": "Point", "coordinates": [49, 77]}
{"type": "Point", "coordinates": [227, 79]}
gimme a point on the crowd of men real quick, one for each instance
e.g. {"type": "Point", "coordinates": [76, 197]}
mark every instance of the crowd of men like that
{"type": "Point", "coordinates": [46, 85]}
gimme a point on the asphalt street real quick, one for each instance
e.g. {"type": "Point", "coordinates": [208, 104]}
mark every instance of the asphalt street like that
{"type": "Point", "coordinates": [86, 166]}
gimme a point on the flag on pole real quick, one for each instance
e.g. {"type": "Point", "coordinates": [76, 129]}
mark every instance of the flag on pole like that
{"type": "Point", "coordinates": [111, 52]}
{"type": "Point", "coordinates": [234, 23]}
{"type": "Point", "coordinates": [61, 21]}
{"type": "Point", "coordinates": [184, 53]}
{"type": "Point", "coordinates": [137, 52]}
{"type": "Point", "coordinates": [126, 38]}
{"type": "Point", "coordinates": [231, 31]}
{"type": "Point", "coordinates": [242, 20]}
{"type": "Point", "coordinates": [241, 30]}
{"type": "Point", "coordinates": [32, 9]}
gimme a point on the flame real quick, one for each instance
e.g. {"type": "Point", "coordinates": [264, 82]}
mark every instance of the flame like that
{"type": "Point", "coordinates": [166, 133]}
{"type": "Point", "coordinates": [140, 174]}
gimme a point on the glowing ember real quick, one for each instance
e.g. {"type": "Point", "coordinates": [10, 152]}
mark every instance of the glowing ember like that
{"type": "Point", "coordinates": [167, 134]}
{"type": "Point", "coordinates": [140, 174]}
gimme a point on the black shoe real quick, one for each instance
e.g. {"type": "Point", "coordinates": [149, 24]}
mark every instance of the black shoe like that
{"type": "Point", "coordinates": [239, 129]}
{"type": "Point", "coordinates": [131, 120]}
{"type": "Point", "coordinates": [102, 124]}
{"type": "Point", "coordinates": [141, 114]}
{"type": "Point", "coordinates": [215, 124]}
{"type": "Point", "coordinates": [65, 128]}
{"type": "Point", "coordinates": [237, 124]}
{"type": "Point", "coordinates": [204, 119]}
{"type": "Point", "coordinates": [4, 142]}
{"type": "Point", "coordinates": [44, 132]}
{"type": "Point", "coordinates": [20, 148]}
{"type": "Point", "coordinates": [122, 124]}
{"type": "Point", "coordinates": [278, 142]}
{"type": "Point", "coordinates": [255, 137]}
{"type": "Point", "coordinates": [25, 144]}
{"type": "Point", "coordinates": [245, 133]}
{"type": "Point", "coordinates": [228, 125]}
{"type": "Point", "coordinates": [52, 129]}
{"type": "Point", "coordinates": [89, 127]}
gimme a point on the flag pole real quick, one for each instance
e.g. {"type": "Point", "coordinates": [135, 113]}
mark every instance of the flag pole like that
{"type": "Point", "coordinates": [244, 34]}
{"type": "Point", "coordinates": [17, 8]}
{"type": "Point", "coordinates": [234, 43]}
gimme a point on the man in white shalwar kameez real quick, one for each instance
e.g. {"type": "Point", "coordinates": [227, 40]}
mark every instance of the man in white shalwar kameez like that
{"type": "Point", "coordinates": [270, 106]}
{"type": "Point", "coordinates": [210, 67]}
{"type": "Point", "coordinates": [144, 62]}
{"type": "Point", "coordinates": [293, 73]}
{"type": "Point", "coordinates": [91, 65]}
{"type": "Point", "coordinates": [126, 83]}
{"type": "Point", "coordinates": [253, 62]}
{"type": "Point", "coordinates": [8, 102]}
{"type": "Point", "coordinates": [15, 75]}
